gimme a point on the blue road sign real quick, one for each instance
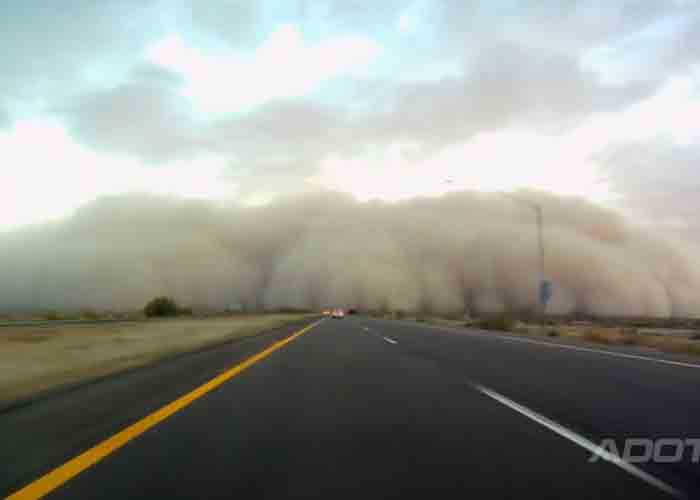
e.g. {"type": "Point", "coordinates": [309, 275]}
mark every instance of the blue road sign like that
{"type": "Point", "coordinates": [546, 291]}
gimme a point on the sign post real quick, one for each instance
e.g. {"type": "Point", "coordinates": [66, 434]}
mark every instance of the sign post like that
{"type": "Point", "coordinates": [546, 291]}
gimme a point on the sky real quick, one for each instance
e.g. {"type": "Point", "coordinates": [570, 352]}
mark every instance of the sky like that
{"type": "Point", "coordinates": [241, 101]}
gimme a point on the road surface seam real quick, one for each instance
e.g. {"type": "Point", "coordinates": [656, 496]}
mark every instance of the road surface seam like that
{"type": "Point", "coordinates": [64, 473]}
{"type": "Point", "coordinates": [580, 440]}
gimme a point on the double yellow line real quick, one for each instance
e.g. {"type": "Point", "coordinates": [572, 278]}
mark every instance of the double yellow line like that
{"type": "Point", "coordinates": [64, 473]}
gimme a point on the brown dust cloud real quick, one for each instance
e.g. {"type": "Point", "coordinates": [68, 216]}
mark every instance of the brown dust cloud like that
{"type": "Point", "coordinates": [464, 251]}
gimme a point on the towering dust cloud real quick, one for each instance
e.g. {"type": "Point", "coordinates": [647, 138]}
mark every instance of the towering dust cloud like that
{"type": "Point", "coordinates": [464, 251]}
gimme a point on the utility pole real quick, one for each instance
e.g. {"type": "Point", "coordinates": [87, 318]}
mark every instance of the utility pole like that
{"type": "Point", "coordinates": [540, 241]}
{"type": "Point", "coordinates": [544, 289]}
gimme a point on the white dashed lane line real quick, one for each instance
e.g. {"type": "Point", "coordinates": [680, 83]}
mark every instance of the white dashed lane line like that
{"type": "Point", "coordinates": [385, 339]}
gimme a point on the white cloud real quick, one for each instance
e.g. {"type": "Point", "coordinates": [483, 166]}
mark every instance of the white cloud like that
{"type": "Point", "coordinates": [282, 67]}
{"type": "Point", "coordinates": [515, 158]}
{"type": "Point", "coordinates": [670, 113]}
{"type": "Point", "coordinates": [384, 174]}
{"type": "Point", "coordinates": [413, 17]}
{"type": "Point", "coordinates": [47, 175]}
{"type": "Point", "coordinates": [406, 23]}
{"type": "Point", "coordinates": [50, 181]}
{"type": "Point", "coordinates": [498, 161]}
{"type": "Point", "coordinates": [638, 55]}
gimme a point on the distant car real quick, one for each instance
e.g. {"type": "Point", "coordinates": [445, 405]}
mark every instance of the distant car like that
{"type": "Point", "coordinates": [338, 314]}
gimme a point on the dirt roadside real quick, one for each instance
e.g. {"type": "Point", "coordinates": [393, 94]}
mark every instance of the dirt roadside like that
{"type": "Point", "coordinates": [35, 360]}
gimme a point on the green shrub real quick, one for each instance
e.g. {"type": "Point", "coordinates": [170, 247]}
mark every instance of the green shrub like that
{"type": "Point", "coordinates": [184, 311]}
{"type": "Point", "coordinates": [501, 322]}
{"type": "Point", "coordinates": [89, 315]}
{"type": "Point", "coordinates": [53, 316]}
{"type": "Point", "coordinates": [161, 307]}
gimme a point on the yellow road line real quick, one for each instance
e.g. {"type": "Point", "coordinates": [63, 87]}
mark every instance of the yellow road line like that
{"type": "Point", "coordinates": [64, 473]}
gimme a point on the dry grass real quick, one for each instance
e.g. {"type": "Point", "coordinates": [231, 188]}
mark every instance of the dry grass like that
{"type": "Point", "coordinates": [34, 359]}
{"type": "Point", "coordinates": [612, 336]}
{"type": "Point", "coordinates": [609, 336]}
{"type": "Point", "coordinates": [501, 323]}
{"type": "Point", "coordinates": [442, 322]}
{"type": "Point", "coordinates": [630, 337]}
{"type": "Point", "coordinates": [672, 345]}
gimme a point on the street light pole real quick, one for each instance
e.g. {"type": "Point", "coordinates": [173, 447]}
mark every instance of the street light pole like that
{"type": "Point", "coordinates": [543, 287]}
{"type": "Point", "coordinates": [537, 208]}
{"type": "Point", "coordinates": [540, 239]}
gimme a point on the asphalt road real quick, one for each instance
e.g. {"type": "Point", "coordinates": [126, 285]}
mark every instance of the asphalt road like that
{"type": "Point", "coordinates": [373, 409]}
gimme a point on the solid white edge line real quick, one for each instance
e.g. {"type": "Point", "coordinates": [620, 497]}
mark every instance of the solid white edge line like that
{"type": "Point", "coordinates": [608, 353]}
{"type": "Point", "coordinates": [391, 341]}
{"type": "Point", "coordinates": [570, 347]}
{"type": "Point", "coordinates": [581, 441]}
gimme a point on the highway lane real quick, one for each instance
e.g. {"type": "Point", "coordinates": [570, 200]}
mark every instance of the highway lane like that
{"type": "Point", "coordinates": [597, 394]}
{"type": "Point", "coordinates": [385, 409]}
{"type": "Point", "coordinates": [39, 436]}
